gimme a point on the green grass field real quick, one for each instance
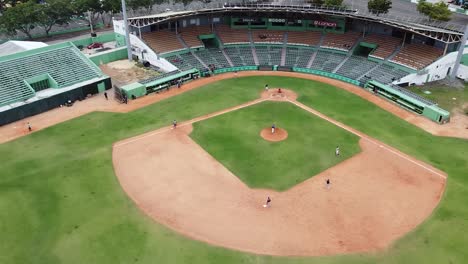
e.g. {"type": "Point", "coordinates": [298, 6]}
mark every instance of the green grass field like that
{"type": "Point", "coordinates": [60, 201]}
{"type": "Point", "coordinates": [234, 140]}
{"type": "Point", "coordinates": [443, 95]}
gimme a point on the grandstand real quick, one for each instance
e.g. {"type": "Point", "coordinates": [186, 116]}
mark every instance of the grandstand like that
{"type": "Point", "coordinates": [386, 45]}
{"type": "Point", "coordinates": [417, 56]}
{"type": "Point", "coordinates": [335, 43]}
{"type": "Point", "coordinates": [37, 80]}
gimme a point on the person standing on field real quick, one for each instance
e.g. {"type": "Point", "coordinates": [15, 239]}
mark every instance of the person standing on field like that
{"type": "Point", "coordinates": [266, 87]}
{"type": "Point", "coordinates": [337, 151]}
{"type": "Point", "coordinates": [29, 127]}
{"type": "Point", "coordinates": [273, 128]}
{"type": "Point", "coordinates": [268, 201]}
{"type": "Point", "coordinates": [174, 124]}
{"type": "Point", "coordinates": [105, 95]}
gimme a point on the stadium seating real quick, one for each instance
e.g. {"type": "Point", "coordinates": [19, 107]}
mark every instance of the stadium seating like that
{"type": "Point", "coordinates": [190, 59]}
{"type": "Point", "coordinates": [304, 57]}
{"type": "Point", "coordinates": [229, 35]}
{"type": "Point", "coordinates": [417, 56]}
{"type": "Point", "coordinates": [355, 67]}
{"type": "Point", "coordinates": [310, 38]}
{"type": "Point", "coordinates": [221, 60]}
{"type": "Point", "coordinates": [246, 53]}
{"type": "Point", "coordinates": [162, 41]}
{"type": "Point", "coordinates": [327, 61]}
{"type": "Point", "coordinates": [234, 54]}
{"type": "Point", "coordinates": [340, 41]}
{"type": "Point", "coordinates": [384, 74]}
{"type": "Point", "coordinates": [65, 65]}
{"type": "Point", "coordinates": [386, 45]}
{"type": "Point", "coordinates": [190, 35]}
{"type": "Point", "coordinates": [180, 63]}
{"type": "Point", "coordinates": [267, 36]}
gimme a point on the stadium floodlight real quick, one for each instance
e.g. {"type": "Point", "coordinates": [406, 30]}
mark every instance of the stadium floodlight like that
{"type": "Point", "coordinates": [127, 34]}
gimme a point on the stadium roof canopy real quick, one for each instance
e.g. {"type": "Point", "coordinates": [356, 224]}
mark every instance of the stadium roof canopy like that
{"type": "Point", "coordinates": [445, 32]}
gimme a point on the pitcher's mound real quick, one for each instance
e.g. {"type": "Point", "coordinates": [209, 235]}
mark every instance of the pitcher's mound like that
{"type": "Point", "coordinates": [279, 135]}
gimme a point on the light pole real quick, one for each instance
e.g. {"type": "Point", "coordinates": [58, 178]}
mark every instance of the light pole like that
{"type": "Point", "coordinates": [127, 34]}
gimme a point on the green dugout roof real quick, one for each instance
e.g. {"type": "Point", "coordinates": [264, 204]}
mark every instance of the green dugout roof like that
{"type": "Point", "coordinates": [170, 78]}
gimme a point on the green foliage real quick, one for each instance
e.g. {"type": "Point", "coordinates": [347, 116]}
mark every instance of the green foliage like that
{"type": "Point", "coordinates": [21, 17]}
{"type": "Point", "coordinates": [54, 12]}
{"type": "Point", "coordinates": [379, 6]}
{"type": "Point", "coordinates": [146, 4]}
{"type": "Point", "coordinates": [334, 3]}
{"type": "Point", "coordinates": [438, 11]}
{"type": "Point", "coordinates": [308, 150]}
{"type": "Point", "coordinates": [316, 2]}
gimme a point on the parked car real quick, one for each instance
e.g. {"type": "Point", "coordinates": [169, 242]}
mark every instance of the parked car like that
{"type": "Point", "coordinates": [95, 45]}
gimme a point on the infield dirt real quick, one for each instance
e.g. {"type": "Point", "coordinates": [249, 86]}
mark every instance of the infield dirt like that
{"type": "Point", "coordinates": [375, 197]}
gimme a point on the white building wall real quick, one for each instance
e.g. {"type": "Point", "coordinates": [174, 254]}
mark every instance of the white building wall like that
{"type": "Point", "coordinates": [437, 70]}
{"type": "Point", "coordinates": [138, 46]}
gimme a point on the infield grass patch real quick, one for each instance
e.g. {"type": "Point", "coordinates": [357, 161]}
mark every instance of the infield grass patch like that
{"type": "Point", "coordinates": [234, 140]}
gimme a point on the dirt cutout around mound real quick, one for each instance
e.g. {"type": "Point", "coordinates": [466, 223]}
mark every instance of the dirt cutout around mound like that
{"type": "Point", "coordinates": [374, 198]}
{"type": "Point", "coordinates": [279, 135]}
{"type": "Point", "coordinates": [456, 128]}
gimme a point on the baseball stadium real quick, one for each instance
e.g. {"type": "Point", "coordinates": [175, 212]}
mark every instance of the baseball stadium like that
{"type": "Point", "coordinates": [237, 133]}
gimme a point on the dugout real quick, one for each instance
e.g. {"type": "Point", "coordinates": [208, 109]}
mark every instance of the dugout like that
{"type": "Point", "coordinates": [410, 101]}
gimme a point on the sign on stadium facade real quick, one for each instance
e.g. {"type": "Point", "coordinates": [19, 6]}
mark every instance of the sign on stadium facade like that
{"type": "Point", "coordinates": [324, 23]}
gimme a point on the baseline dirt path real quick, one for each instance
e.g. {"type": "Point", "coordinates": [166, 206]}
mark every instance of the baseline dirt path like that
{"type": "Point", "coordinates": [375, 197]}
{"type": "Point", "coordinates": [456, 128]}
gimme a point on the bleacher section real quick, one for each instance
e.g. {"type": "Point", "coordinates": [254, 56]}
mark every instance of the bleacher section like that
{"type": "Point", "coordinates": [386, 45]}
{"type": "Point", "coordinates": [246, 53]}
{"type": "Point", "coordinates": [180, 63]}
{"type": "Point", "coordinates": [236, 58]}
{"type": "Point", "coordinates": [190, 35]}
{"type": "Point", "coordinates": [417, 56]}
{"type": "Point", "coordinates": [229, 35]}
{"type": "Point", "coordinates": [267, 36]}
{"type": "Point", "coordinates": [310, 38]}
{"type": "Point", "coordinates": [340, 41]}
{"type": "Point", "coordinates": [327, 61]}
{"type": "Point", "coordinates": [304, 57]}
{"type": "Point", "coordinates": [219, 57]}
{"type": "Point", "coordinates": [190, 59]}
{"type": "Point", "coordinates": [355, 67]}
{"type": "Point", "coordinates": [384, 74]}
{"type": "Point", "coordinates": [65, 65]}
{"type": "Point", "coordinates": [162, 41]}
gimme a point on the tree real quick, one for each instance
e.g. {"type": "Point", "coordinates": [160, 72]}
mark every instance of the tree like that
{"type": "Point", "coordinates": [335, 3]}
{"type": "Point", "coordinates": [22, 17]}
{"type": "Point", "coordinates": [438, 11]}
{"type": "Point", "coordinates": [441, 12]}
{"type": "Point", "coordinates": [54, 12]}
{"type": "Point", "coordinates": [379, 6]}
{"type": "Point", "coordinates": [316, 2]}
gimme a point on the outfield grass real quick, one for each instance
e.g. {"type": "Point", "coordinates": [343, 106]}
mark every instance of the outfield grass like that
{"type": "Point", "coordinates": [443, 95]}
{"type": "Point", "coordinates": [60, 201]}
{"type": "Point", "coordinates": [234, 140]}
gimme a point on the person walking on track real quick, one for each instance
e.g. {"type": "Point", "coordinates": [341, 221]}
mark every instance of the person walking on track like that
{"type": "Point", "coordinates": [29, 127]}
{"type": "Point", "coordinates": [174, 124]}
{"type": "Point", "coordinates": [268, 201]}
{"type": "Point", "coordinates": [327, 182]}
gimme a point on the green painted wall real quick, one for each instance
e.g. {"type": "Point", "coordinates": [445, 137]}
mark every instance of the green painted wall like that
{"type": "Point", "coordinates": [108, 37]}
{"type": "Point", "coordinates": [103, 58]}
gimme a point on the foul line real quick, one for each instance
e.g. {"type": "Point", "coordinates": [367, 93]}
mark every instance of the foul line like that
{"type": "Point", "coordinates": [191, 121]}
{"type": "Point", "coordinates": [363, 136]}
{"type": "Point", "coordinates": [308, 109]}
